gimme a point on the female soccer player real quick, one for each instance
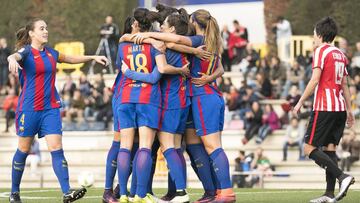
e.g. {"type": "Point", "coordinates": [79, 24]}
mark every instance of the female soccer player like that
{"type": "Point", "coordinates": [38, 108]}
{"type": "Point", "coordinates": [206, 103]}
{"type": "Point", "coordinates": [139, 107]}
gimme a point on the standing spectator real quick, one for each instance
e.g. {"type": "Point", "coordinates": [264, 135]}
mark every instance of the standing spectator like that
{"type": "Point", "coordinates": [110, 31]}
{"type": "Point", "coordinates": [264, 87]}
{"type": "Point", "coordinates": [252, 122]}
{"type": "Point", "coordinates": [242, 164]}
{"type": "Point", "coordinates": [4, 70]}
{"type": "Point", "coordinates": [237, 42]}
{"type": "Point", "coordinates": [355, 62]}
{"type": "Point", "coordinates": [351, 150]}
{"type": "Point", "coordinates": [277, 75]}
{"type": "Point", "coordinates": [294, 138]}
{"type": "Point", "coordinates": [294, 76]}
{"type": "Point", "coordinates": [225, 59]}
{"type": "Point", "coordinates": [9, 106]}
{"type": "Point", "coordinates": [270, 122]}
{"type": "Point", "coordinates": [34, 157]}
{"type": "Point", "coordinates": [69, 86]}
{"type": "Point", "coordinates": [283, 37]}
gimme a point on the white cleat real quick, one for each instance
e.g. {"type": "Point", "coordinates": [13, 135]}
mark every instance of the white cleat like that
{"type": "Point", "coordinates": [344, 186]}
{"type": "Point", "coordinates": [323, 199]}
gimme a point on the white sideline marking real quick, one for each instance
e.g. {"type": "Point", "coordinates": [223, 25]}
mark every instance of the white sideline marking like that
{"type": "Point", "coordinates": [6, 194]}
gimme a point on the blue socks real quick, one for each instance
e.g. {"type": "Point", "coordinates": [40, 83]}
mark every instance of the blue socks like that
{"type": "Point", "coordinates": [123, 164]}
{"type": "Point", "coordinates": [220, 164]}
{"type": "Point", "coordinates": [60, 167]}
{"type": "Point", "coordinates": [154, 151]}
{"type": "Point", "coordinates": [111, 165]}
{"type": "Point", "coordinates": [18, 165]}
{"type": "Point", "coordinates": [175, 166]}
{"type": "Point", "coordinates": [134, 153]}
{"type": "Point", "coordinates": [201, 162]}
{"type": "Point", "coordinates": [143, 170]}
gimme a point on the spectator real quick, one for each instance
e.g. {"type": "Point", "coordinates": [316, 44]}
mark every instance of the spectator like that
{"type": "Point", "coordinates": [294, 138]}
{"type": "Point", "coordinates": [76, 109]}
{"type": "Point", "coordinates": [225, 59]}
{"type": "Point", "coordinates": [355, 101]}
{"type": "Point", "coordinates": [34, 157]}
{"type": "Point", "coordinates": [105, 113]}
{"type": "Point", "coordinates": [12, 84]}
{"type": "Point", "coordinates": [351, 150]}
{"type": "Point", "coordinates": [232, 99]}
{"type": "Point", "coordinates": [355, 62]}
{"type": "Point", "coordinates": [357, 82]}
{"type": "Point", "coordinates": [252, 122]}
{"type": "Point", "coordinates": [9, 106]}
{"type": "Point", "coordinates": [242, 164]}
{"type": "Point", "coordinates": [110, 31]}
{"type": "Point", "coordinates": [283, 37]}
{"type": "Point", "coordinates": [4, 70]}
{"type": "Point", "coordinates": [270, 122]}
{"type": "Point", "coordinates": [225, 84]}
{"type": "Point", "coordinates": [251, 56]}
{"type": "Point", "coordinates": [277, 75]}
{"type": "Point", "coordinates": [294, 76]}
{"type": "Point", "coordinates": [69, 86]}
{"type": "Point", "coordinates": [261, 165]}
{"type": "Point", "coordinates": [246, 100]}
{"type": "Point", "coordinates": [93, 104]}
{"type": "Point", "coordinates": [99, 83]}
{"type": "Point", "coordinates": [264, 67]}
{"type": "Point", "coordinates": [293, 96]}
{"type": "Point", "coordinates": [84, 86]}
{"type": "Point", "coordinates": [264, 87]}
{"type": "Point", "coordinates": [237, 42]}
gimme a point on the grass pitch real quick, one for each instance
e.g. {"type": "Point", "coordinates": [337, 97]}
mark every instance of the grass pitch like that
{"type": "Point", "coordinates": [243, 195]}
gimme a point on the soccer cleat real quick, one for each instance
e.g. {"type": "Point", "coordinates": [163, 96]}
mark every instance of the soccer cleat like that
{"type": "Point", "coordinates": [147, 199]}
{"type": "Point", "coordinates": [225, 196]}
{"type": "Point", "coordinates": [344, 186]}
{"type": "Point", "coordinates": [207, 197]}
{"type": "Point", "coordinates": [181, 197]}
{"type": "Point", "coordinates": [131, 198]}
{"type": "Point", "coordinates": [74, 195]}
{"type": "Point", "coordinates": [15, 197]}
{"type": "Point", "coordinates": [117, 191]}
{"type": "Point", "coordinates": [169, 196]}
{"type": "Point", "coordinates": [124, 199]}
{"type": "Point", "coordinates": [323, 199]}
{"type": "Point", "coordinates": [108, 197]}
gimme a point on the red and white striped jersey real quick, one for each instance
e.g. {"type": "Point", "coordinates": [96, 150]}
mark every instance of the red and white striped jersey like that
{"type": "Point", "coordinates": [328, 93]}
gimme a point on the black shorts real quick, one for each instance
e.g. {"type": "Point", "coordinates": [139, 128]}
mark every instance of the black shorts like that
{"type": "Point", "coordinates": [325, 128]}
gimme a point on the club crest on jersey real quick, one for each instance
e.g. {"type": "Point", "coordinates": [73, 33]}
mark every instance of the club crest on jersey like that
{"type": "Point", "coordinates": [21, 129]}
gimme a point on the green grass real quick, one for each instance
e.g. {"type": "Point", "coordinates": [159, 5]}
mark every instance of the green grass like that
{"type": "Point", "coordinates": [243, 195]}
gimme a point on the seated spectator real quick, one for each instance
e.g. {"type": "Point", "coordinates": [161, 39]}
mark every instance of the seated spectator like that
{"type": "Point", "coordinates": [294, 76]}
{"type": "Point", "coordinates": [242, 164]}
{"type": "Point", "coordinates": [9, 106]}
{"type": "Point", "coordinates": [264, 68]}
{"type": "Point", "coordinates": [93, 104]}
{"type": "Point", "coordinates": [294, 138]}
{"type": "Point", "coordinates": [105, 112]}
{"type": "Point", "coordinates": [224, 84]}
{"type": "Point", "coordinates": [84, 86]}
{"type": "Point", "coordinates": [350, 150]}
{"type": "Point", "coordinates": [252, 122]}
{"type": "Point", "coordinates": [293, 96]}
{"type": "Point", "coordinates": [270, 122]}
{"type": "Point", "coordinates": [251, 56]}
{"type": "Point", "coordinates": [277, 76]}
{"type": "Point", "coordinates": [357, 82]}
{"type": "Point", "coordinates": [355, 101]}
{"type": "Point", "coordinates": [264, 87]}
{"type": "Point", "coordinates": [99, 83]}
{"type": "Point", "coordinates": [34, 157]}
{"type": "Point", "coordinates": [76, 109]}
{"type": "Point", "coordinates": [69, 86]}
{"type": "Point", "coordinates": [355, 62]}
{"type": "Point", "coordinates": [246, 99]}
{"type": "Point", "coordinates": [261, 165]}
{"type": "Point", "coordinates": [12, 84]}
{"type": "Point", "coordinates": [232, 99]}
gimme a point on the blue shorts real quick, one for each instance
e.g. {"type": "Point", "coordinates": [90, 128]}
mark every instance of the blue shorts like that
{"type": "Point", "coordinates": [137, 115]}
{"type": "Point", "coordinates": [208, 113]}
{"type": "Point", "coordinates": [174, 120]}
{"type": "Point", "coordinates": [115, 115]}
{"type": "Point", "coordinates": [45, 122]}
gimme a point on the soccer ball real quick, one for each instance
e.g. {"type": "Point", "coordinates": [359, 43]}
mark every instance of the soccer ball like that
{"type": "Point", "coordinates": [86, 179]}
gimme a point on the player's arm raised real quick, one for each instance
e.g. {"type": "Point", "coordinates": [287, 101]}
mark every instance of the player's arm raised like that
{"type": "Point", "coordinates": [82, 59]}
{"type": "Point", "coordinates": [166, 68]}
{"type": "Point", "coordinates": [309, 90]}
{"type": "Point", "coordinates": [199, 52]}
{"type": "Point", "coordinates": [166, 37]}
{"type": "Point", "coordinates": [13, 62]}
{"type": "Point", "coordinates": [157, 44]}
{"type": "Point", "coordinates": [350, 116]}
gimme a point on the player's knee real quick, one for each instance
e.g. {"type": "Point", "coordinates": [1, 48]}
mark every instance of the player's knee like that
{"type": "Point", "coordinates": [24, 148]}
{"type": "Point", "coordinates": [54, 147]}
{"type": "Point", "coordinates": [308, 149]}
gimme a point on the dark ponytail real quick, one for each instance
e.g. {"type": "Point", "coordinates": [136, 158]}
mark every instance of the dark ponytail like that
{"type": "Point", "coordinates": [145, 18]}
{"type": "Point", "coordinates": [22, 35]}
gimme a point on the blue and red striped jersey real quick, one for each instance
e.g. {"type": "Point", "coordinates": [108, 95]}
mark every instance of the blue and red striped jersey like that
{"type": "Point", "coordinates": [174, 87]}
{"type": "Point", "coordinates": [140, 58]}
{"type": "Point", "coordinates": [37, 79]}
{"type": "Point", "coordinates": [204, 66]}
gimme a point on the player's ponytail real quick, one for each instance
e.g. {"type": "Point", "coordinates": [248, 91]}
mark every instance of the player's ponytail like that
{"type": "Point", "coordinates": [211, 28]}
{"type": "Point", "coordinates": [145, 18]}
{"type": "Point", "coordinates": [22, 35]}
